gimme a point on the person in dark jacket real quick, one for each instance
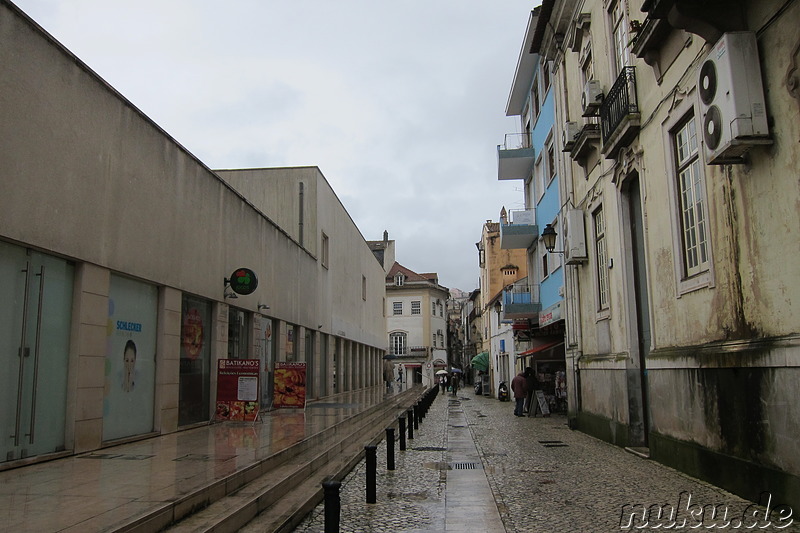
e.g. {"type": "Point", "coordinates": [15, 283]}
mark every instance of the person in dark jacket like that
{"type": "Point", "coordinates": [533, 384]}
{"type": "Point", "coordinates": [519, 385]}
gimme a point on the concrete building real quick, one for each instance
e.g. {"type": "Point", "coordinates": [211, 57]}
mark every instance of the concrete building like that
{"type": "Point", "coordinates": [535, 306]}
{"type": "Point", "coordinates": [680, 135]}
{"type": "Point", "coordinates": [502, 271]}
{"type": "Point", "coordinates": [121, 255]}
{"type": "Point", "coordinates": [416, 324]}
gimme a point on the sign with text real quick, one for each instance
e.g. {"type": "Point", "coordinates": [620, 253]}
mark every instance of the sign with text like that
{"type": "Point", "coordinates": [237, 389]}
{"type": "Point", "coordinates": [289, 384]}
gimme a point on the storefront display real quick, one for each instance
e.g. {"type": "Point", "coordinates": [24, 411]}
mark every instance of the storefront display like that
{"type": "Point", "coordinates": [195, 368]}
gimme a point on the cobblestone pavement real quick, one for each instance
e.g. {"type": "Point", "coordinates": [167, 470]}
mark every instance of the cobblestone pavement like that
{"type": "Point", "coordinates": [544, 477]}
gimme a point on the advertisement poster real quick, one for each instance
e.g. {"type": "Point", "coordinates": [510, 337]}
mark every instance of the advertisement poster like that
{"type": "Point", "coordinates": [289, 385]}
{"type": "Point", "coordinates": [237, 389]}
{"type": "Point", "coordinates": [130, 363]}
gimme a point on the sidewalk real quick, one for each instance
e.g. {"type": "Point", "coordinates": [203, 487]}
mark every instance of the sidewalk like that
{"type": "Point", "coordinates": [108, 489]}
{"type": "Point", "coordinates": [543, 477]}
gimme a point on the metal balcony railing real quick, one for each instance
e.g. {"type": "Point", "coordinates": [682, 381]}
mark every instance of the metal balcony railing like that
{"type": "Point", "coordinates": [619, 102]}
{"type": "Point", "coordinates": [515, 141]}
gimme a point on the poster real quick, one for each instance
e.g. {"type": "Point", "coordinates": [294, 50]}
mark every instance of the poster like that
{"type": "Point", "coordinates": [237, 389]}
{"type": "Point", "coordinates": [289, 385]}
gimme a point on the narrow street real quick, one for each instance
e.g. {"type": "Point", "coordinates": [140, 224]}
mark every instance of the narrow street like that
{"type": "Point", "coordinates": [543, 476]}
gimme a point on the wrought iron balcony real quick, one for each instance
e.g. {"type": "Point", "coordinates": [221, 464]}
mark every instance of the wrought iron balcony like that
{"type": "Point", "coordinates": [521, 231]}
{"type": "Point", "coordinates": [521, 300]}
{"type": "Point", "coordinates": [407, 351]}
{"type": "Point", "coordinates": [515, 157]}
{"type": "Point", "coordinates": [619, 114]}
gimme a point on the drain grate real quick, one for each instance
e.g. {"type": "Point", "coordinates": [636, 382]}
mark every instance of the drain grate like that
{"type": "Point", "coordinates": [428, 449]}
{"type": "Point", "coordinates": [205, 458]}
{"type": "Point", "coordinates": [115, 456]}
{"type": "Point", "coordinates": [464, 466]}
{"type": "Point", "coordinates": [553, 444]}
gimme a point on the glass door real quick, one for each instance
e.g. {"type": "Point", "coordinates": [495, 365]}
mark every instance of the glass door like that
{"type": "Point", "coordinates": [35, 316]}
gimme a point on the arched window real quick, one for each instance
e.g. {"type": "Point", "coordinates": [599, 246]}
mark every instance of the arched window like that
{"type": "Point", "coordinates": [397, 343]}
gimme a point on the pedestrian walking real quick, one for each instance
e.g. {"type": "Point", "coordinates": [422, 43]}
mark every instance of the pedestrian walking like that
{"type": "Point", "coordinates": [519, 385]}
{"type": "Point", "coordinates": [533, 384]}
{"type": "Point", "coordinates": [443, 382]}
{"type": "Point", "coordinates": [454, 383]}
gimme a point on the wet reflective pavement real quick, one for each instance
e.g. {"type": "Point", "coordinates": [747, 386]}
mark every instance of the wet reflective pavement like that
{"type": "Point", "coordinates": [106, 489]}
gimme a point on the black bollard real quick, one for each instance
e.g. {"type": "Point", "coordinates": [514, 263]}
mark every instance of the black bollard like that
{"type": "Point", "coordinates": [389, 448]}
{"type": "Point", "coordinates": [333, 505]}
{"type": "Point", "coordinates": [410, 414]}
{"type": "Point", "coordinates": [402, 422]}
{"type": "Point", "coordinates": [416, 416]}
{"type": "Point", "coordinates": [372, 466]}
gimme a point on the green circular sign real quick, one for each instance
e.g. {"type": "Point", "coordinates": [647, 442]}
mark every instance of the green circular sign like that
{"type": "Point", "coordinates": [243, 281]}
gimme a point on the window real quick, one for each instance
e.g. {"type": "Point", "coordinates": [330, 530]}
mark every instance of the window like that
{"type": "Point", "coordinates": [545, 270]}
{"type": "Point", "coordinates": [433, 308]}
{"type": "Point", "coordinates": [509, 272]}
{"type": "Point", "coordinates": [434, 340]}
{"type": "Point", "coordinates": [441, 309]}
{"type": "Point", "coordinates": [535, 99]}
{"type": "Point", "coordinates": [416, 307]}
{"type": "Point", "coordinates": [364, 288]}
{"type": "Point", "coordinates": [539, 172]}
{"type": "Point", "coordinates": [397, 308]}
{"type": "Point", "coordinates": [622, 55]}
{"type": "Point", "coordinates": [551, 163]}
{"type": "Point", "coordinates": [602, 258]}
{"type": "Point", "coordinates": [399, 279]}
{"type": "Point", "coordinates": [325, 250]}
{"type": "Point", "coordinates": [397, 343]}
{"type": "Point", "coordinates": [691, 202]}
{"type": "Point", "coordinates": [546, 75]}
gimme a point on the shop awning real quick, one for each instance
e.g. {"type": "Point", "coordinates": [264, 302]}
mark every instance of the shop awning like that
{"type": "Point", "coordinates": [541, 348]}
{"type": "Point", "coordinates": [481, 361]}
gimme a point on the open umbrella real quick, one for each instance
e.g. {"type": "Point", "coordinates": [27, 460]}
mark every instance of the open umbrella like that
{"type": "Point", "coordinates": [457, 371]}
{"type": "Point", "coordinates": [481, 361]}
{"type": "Point", "coordinates": [440, 372]}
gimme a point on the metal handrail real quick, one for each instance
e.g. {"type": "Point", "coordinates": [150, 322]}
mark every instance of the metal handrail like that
{"type": "Point", "coordinates": [620, 101]}
{"type": "Point", "coordinates": [515, 141]}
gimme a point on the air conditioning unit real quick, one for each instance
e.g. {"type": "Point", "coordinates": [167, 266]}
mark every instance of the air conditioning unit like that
{"type": "Point", "coordinates": [591, 98]}
{"type": "Point", "coordinates": [732, 107]}
{"type": "Point", "coordinates": [574, 237]}
{"type": "Point", "coordinates": [568, 135]}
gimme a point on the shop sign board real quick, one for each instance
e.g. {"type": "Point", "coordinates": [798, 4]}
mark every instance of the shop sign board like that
{"type": "Point", "coordinates": [237, 389]}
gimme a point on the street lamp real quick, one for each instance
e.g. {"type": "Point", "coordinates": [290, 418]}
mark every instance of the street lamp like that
{"type": "Point", "coordinates": [549, 237]}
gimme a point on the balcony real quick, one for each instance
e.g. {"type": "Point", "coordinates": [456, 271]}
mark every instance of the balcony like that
{"type": "Point", "coordinates": [407, 352]}
{"type": "Point", "coordinates": [586, 139]}
{"type": "Point", "coordinates": [515, 157]}
{"type": "Point", "coordinates": [619, 114]}
{"type": "Point", "coordinates": [521, 232]}
{"type": "Point", "coordinates": [521, 300]}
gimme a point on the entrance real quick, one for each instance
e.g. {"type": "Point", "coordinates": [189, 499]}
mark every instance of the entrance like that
{"type": "Point", "coordinates": [35, 316]}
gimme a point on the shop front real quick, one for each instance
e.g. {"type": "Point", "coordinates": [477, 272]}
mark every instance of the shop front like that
{"type": "Point", "coordinates": [548, 363]}
{"type": "Point", "coordinates": [35, 319]}
{"type": "Point", "coordinates": [195, 366]}
{"type": "Point", "coordinates": [130, 368]}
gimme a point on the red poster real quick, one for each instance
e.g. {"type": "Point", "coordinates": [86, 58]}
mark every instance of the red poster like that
{"type": "Point", "coordinates": [290, 385]}
{"type": "Point", "coordinates": [237, 389]}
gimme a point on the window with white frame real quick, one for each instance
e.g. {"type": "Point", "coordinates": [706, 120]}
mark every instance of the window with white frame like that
{"type": "Point", "coordinates": [545, 265]}
{"type": "Point", "coordinates": [551, 162]}
{"type": "Point", "coordinates": [539, 171]}
{"type": "Point", "coordinates": [598, 220]}
{"type": "Point", "coordinates": [441, 309]}
{"type": "Point", "coordinates": [397, 308]}
{"type": "Point", "coordinates": [399, 279]}
{"type": "Point", "coordinates": [691, 194]}
{"type": "Point", "coordinates": [619, 28]}
{"type": "Point", "coordinates": [433, 308]}
{"type": "Point", "coordinates": [416, 307]}
{"type": "Point", "coordinates": [545, 75]}
{"type": "Point", "coordinates": [397, 343]}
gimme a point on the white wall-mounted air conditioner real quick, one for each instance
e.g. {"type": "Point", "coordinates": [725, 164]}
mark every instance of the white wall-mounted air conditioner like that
{"type": "Point", "coordinates": [591, 98]}
{"type": "Point", "coordinates": [732, 108]}
{"type": "Point", "coordinates": [568, 135]}
{"type": "Point", "coordinates": [574, 237]}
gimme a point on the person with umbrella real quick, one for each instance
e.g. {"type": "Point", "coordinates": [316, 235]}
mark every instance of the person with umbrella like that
{"type": "Point", "coordinates": [442, 379]}
{"type": "Point", "coordinates": [454, 380]}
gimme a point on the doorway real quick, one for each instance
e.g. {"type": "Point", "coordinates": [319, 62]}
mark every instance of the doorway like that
{"type": "Point", "coordinates": [35, 317]}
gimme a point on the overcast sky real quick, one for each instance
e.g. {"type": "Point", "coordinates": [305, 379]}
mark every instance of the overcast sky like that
{"type": "Point", "coordinates": [400, 104]}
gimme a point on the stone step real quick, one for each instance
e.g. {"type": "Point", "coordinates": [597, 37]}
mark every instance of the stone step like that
{"type": "Point", "coordinates": [287, 488]}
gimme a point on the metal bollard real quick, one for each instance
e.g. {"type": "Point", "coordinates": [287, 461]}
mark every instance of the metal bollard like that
{"type": "Point", "coordinates": [415, 410]}
{"type": "Point", "coordinates": [389, 448]}
{"type": "Point", "coordinates": [410, 415]}
{"type": "Point", "coordinates": [372, 466]}
{"type": "Point", "coordinates": [402, 422]}
{"type": "Point", "coordinates": [333, 505]}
